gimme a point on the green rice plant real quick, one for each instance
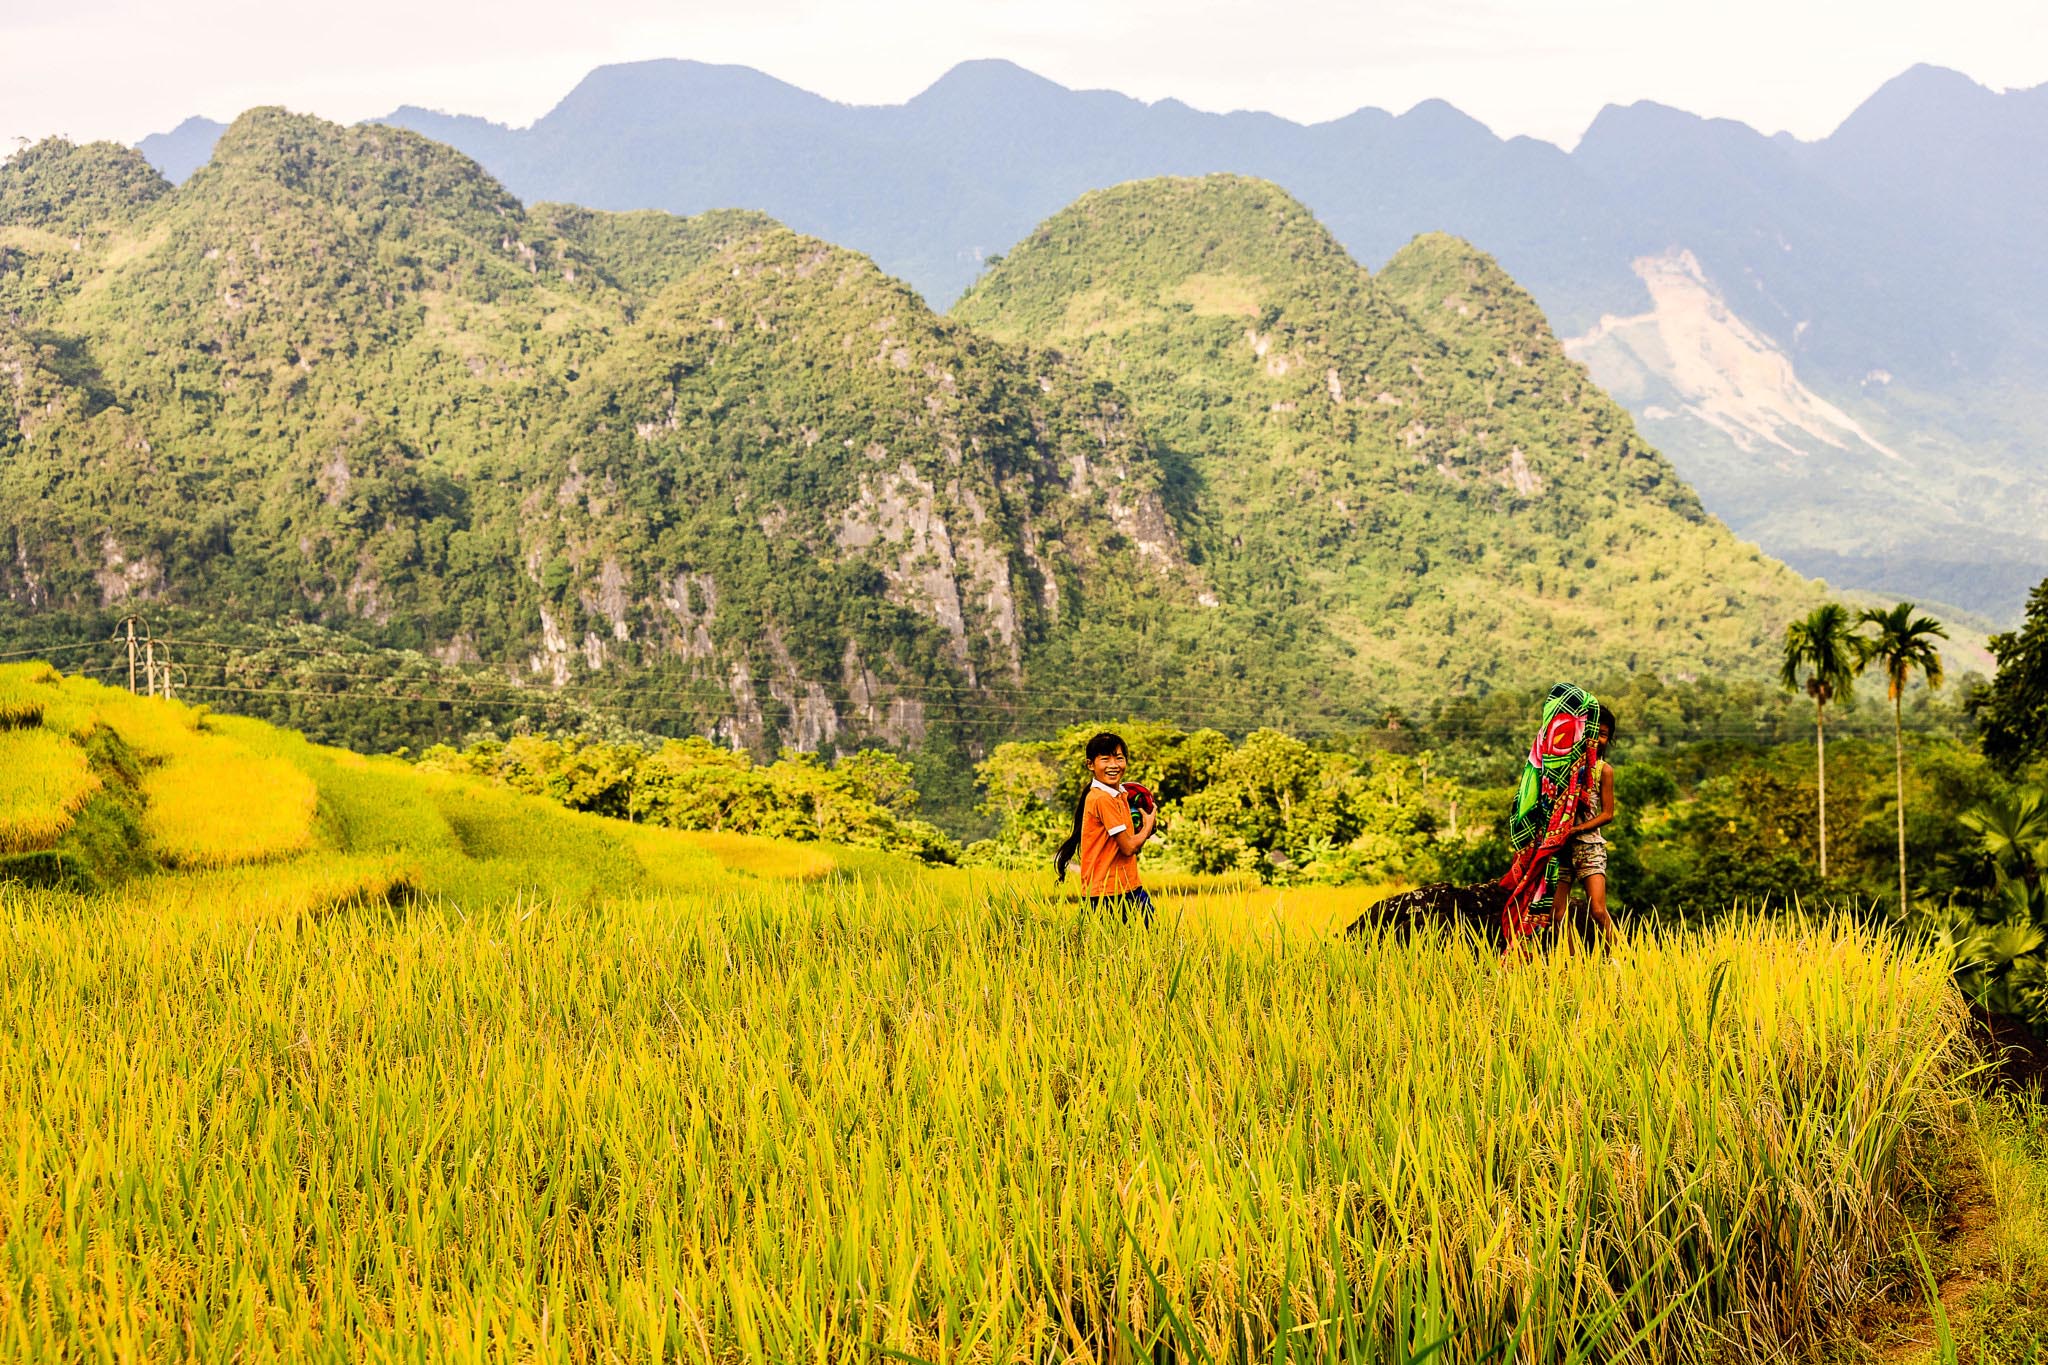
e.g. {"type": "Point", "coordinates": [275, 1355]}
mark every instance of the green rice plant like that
{"type": "Point", "coordinates": [673, 860]}
{"type": "Point", "coordinates": [514, 847]}
{"type": "Point", "coordinates": [943, 1117]}
{"type": "Point", "coordinates": [44, 780]}
{"type": "Point", "coordinates": [367, 805]}
{"type": "Point", "coordinates": [1944, 1334]}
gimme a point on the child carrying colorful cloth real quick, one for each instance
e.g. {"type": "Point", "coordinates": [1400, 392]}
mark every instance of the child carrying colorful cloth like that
{"type": "Point", "coordinates": [1554, 782]}
{"type": "Point", "coordinates": [1107, 834]}
{"type": "Point", "coordinates": [1587, 849]}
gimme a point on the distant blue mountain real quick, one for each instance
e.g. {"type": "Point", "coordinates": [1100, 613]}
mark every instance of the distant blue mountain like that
{"type": "Point", "coordinates": [184, 149]}
{"type": "Point", "coordinates": [1840, 342]}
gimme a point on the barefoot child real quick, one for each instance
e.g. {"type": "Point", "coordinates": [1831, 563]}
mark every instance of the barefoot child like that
{"type": "Point", "coordinates": [1106, 836]}
{"type": "Point", "coordinates": [1588, 847]}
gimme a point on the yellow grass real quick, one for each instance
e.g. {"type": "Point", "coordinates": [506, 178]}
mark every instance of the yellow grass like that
{"type": "Point", "coordinates": [768, 858]}
{"type": "Point", "coordinates": [156, 729]}
{"type": "Point", "coordinates": [218, 804]}
{"type": "Point", "coordinates": [211, 800]}
{"type": "Point", "coordinates": [24, 691]}
{"type": "Point", "coordinates": [478, 1078]}
{"type": "Point", "coordinates": [44, 780]}
{"type": "Point", "coordinates": [807, 1121]}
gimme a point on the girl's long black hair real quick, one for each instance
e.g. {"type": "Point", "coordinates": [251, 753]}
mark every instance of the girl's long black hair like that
{"type": "Point", "coordinates": [1101, 746]}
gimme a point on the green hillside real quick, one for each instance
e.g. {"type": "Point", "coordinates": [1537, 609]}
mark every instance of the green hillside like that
{"type": "Point", "coordinates": [708, 475]}
{"type": "Point", "coordinates": [101, 790]}
{"type": "Point", "coordinates": [1410, 458]}
{"type": "Point", "coordinates": [340, 376]}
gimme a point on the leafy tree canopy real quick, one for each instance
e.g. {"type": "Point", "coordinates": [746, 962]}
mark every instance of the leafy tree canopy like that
{"type": "Point", "coordinates": [2014, 709]}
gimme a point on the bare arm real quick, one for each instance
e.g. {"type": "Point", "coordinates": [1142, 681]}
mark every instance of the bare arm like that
{"type": "Point", "coordinates": [1606, 803]}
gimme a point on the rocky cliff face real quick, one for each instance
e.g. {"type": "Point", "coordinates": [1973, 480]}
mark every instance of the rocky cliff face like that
{"type": "Point", "coordinates": [1408, 465]}
{"type": "Point", "coordinates": [341, 376]}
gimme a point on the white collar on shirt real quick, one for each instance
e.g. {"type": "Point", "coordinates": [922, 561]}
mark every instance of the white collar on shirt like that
{"type": "Point", "coordinates": [1117, 792]}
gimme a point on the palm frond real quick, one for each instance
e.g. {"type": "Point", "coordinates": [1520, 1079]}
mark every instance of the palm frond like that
{"type": "Point", "coordinates": [1904, 644]}
{"type": "Point", "coordinates": [1822, 653]}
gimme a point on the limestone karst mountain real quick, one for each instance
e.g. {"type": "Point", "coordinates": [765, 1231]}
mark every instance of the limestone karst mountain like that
{"type": "Point", "coordinates": [1410, 458]}
{"type": "Point", "coordinates": [341, 375]}
{"type": "Point", "coordinates": [1837, 342]}
{"type": "Point", "coordinates": [1179, 453]}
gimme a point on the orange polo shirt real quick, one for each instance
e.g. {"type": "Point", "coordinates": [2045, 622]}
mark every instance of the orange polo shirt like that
{"type": "Point", "coordinates": [1106, 870]}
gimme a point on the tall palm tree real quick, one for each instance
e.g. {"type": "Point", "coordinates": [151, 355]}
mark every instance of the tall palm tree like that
{"type": "Point", "coordinates": [1823, 648]}
{"type": "Point", "coordinates": [1903, 644]}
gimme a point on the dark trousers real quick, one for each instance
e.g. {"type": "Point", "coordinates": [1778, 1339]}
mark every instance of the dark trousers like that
{"type": "Point", "coordinates": [1124, 903]}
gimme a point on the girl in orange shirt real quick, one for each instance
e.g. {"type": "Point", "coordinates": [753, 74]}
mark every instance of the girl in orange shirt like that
{"type": "Point", "coordinates": [1106, 834]}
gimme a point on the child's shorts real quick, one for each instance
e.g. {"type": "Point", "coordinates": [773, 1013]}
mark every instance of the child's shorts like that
{"type": "Point", "coordinates": [1589, 855]}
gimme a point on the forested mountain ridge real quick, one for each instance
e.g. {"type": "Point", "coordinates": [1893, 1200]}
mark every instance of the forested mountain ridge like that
{"type": "Point", "coordinates": [340, 375]}
{"type": "Point", "coordinates": [1836, 341]}
{"type": "Point", "coordinates": [739, 481]}
{"type": "Point", "coordinates": [1409, 458]}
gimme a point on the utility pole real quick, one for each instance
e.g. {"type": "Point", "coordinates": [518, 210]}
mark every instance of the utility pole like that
{"type": "Point", "coordinates": [149, 661]}
{"type": "Point", "coordinates": [131, 656]}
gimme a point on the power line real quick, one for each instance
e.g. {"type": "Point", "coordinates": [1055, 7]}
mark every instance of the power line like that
{"type": "Point", "coordinates": [512, 669]}
{"type": "Point", "coordinates": [991, 696]}
{"type": "Point", "coordinates": [984, 697]}
{"type": "Point", "coordinates": [988, 704]}
{"type": "Point", "coordinates": [1507, 734]}
{"type": "Point", "coordinates": [49, 650]}
{"type": "Point", "coordinates": [987, 709]}
{"type": "Point", "coordinates": [997, 697]}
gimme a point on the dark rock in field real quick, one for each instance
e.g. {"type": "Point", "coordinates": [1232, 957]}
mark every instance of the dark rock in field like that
{"type": "Point", "coordinates": [1476, 907]}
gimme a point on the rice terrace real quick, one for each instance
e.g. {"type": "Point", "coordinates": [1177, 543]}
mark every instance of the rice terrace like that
{"type": "Point", "coordinates": [365, 1060]}
{"type": "Point", "coordinates": [741, 683]}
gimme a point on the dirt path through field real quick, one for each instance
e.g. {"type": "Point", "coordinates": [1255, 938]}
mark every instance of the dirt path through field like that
{"type": "Point", "coordinates": [1907, 1333]}
{"type": "Point", "coordinates": [1910, 1335]}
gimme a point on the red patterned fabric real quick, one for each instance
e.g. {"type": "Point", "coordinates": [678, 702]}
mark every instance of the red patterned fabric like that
{"type": "Point", "coordinates": [1554, 783]}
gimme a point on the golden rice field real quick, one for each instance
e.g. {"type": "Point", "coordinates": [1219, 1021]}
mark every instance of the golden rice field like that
{"type": "Point", "coordinates": [476, 1078]}
{"type": "Point", "coordinates": [44, 779]}
{"type": "Point", "coordinates": [226, 805]}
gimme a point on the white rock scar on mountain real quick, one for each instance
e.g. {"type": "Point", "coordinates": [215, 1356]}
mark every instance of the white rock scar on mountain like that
{"type": "Point", "coordinates": [1726, 373]}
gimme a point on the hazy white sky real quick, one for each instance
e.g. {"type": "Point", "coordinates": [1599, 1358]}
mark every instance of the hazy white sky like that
{"type": "Point", "coordinates": [125, 68]}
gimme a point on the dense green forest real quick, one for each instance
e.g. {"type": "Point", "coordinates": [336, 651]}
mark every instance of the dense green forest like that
{"type": "Point", "coordinates": [1403, 470]}
{"type": "Point", "coordinates": [405, 462]}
